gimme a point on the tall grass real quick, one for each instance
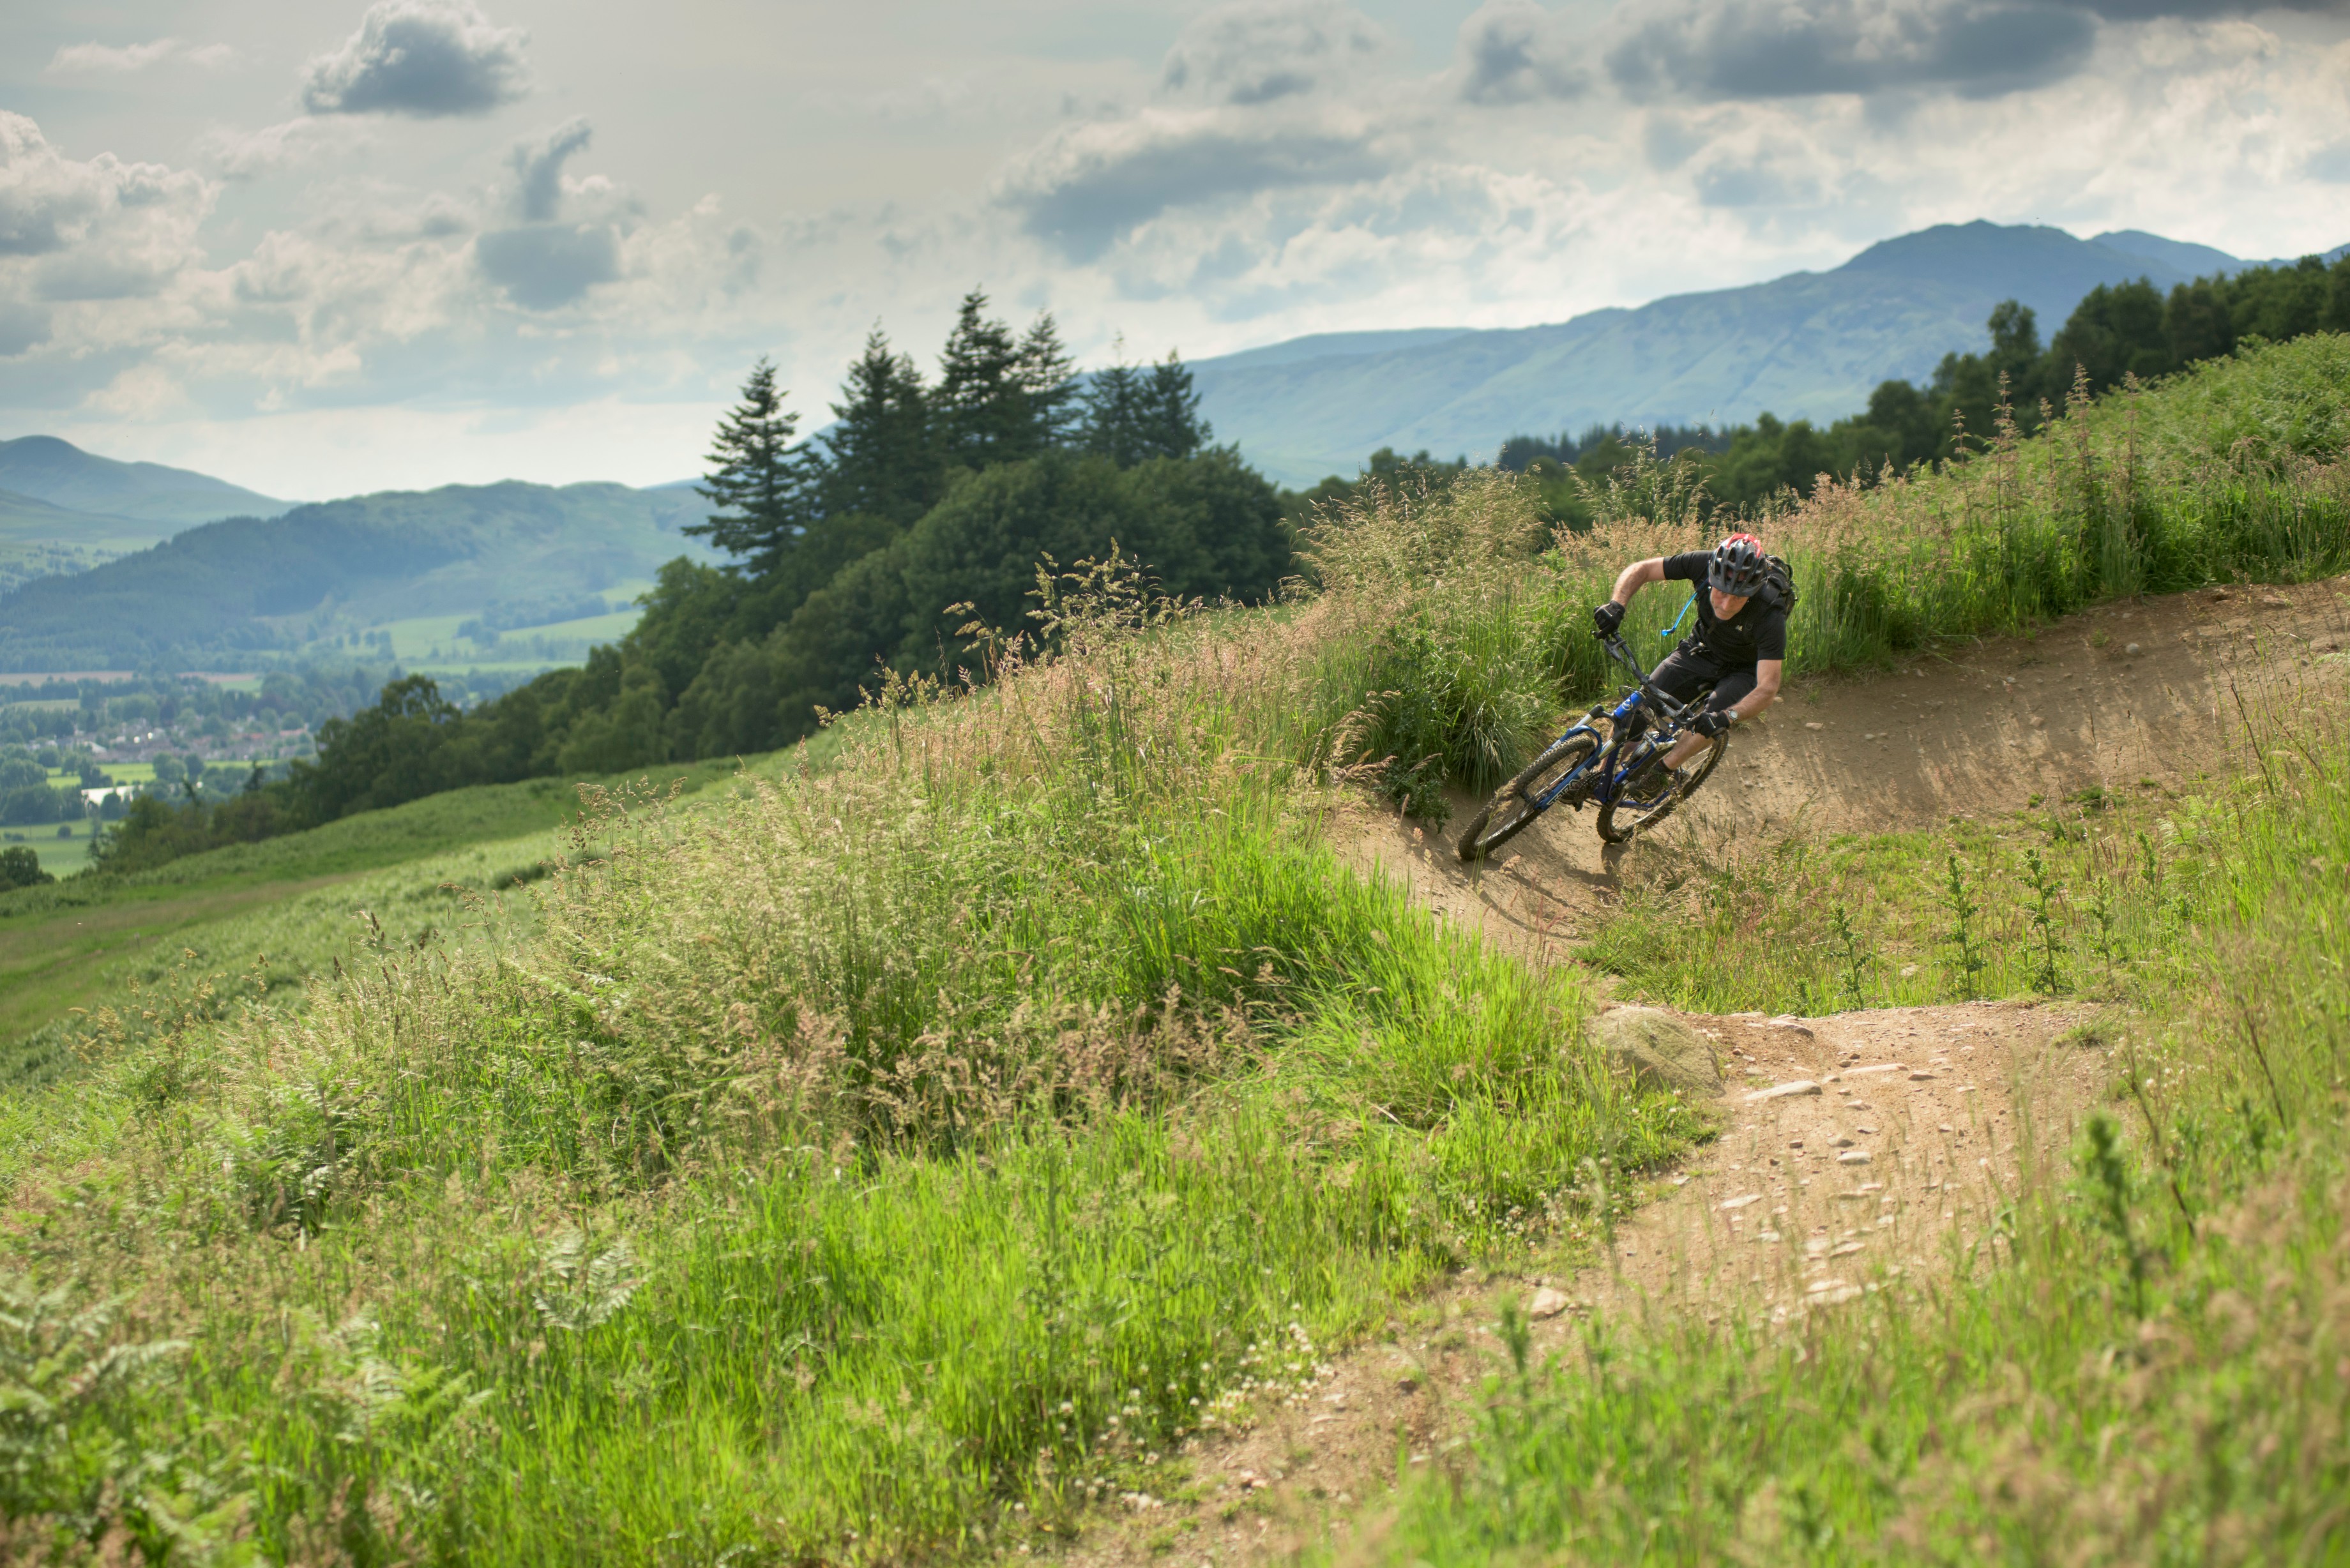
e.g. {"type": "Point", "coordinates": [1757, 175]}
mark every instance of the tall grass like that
{"type": "Point", "coordinates": [2140, 1361]}
{"type": "Point", "coordinates": [1432, 671]}
{"type": "Point", "coordinates": [887, 1162]}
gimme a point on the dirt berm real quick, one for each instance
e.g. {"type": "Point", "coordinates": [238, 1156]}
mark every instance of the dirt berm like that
{"type": "Point", "coordinates": [2158, 689]}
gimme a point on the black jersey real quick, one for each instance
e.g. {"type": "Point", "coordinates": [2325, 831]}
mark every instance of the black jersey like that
{"type": "Point", "coordinates": [1758, 631]}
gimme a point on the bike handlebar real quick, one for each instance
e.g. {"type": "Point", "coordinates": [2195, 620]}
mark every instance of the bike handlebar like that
{"type": "Point", "coordinates": [1668, 709]}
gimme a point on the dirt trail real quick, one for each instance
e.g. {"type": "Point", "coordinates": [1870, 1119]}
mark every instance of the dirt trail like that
{"type": "Point", "coordinates": [1854, 1148]}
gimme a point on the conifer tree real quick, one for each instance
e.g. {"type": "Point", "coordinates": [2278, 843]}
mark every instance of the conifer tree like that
{"type": "Point", "coordinates": [1047, 376]}
{"type": "Point", "coordinates": [1171, 409]}
{"type": "Point", "coordinates": [757, 479]}
{"type": "Point", "coordinates": [879, 460]}
{"type": "Point", "coordinates": [1113, 411]}
{"type": "Point", "coordinates": [978, 405]}
{"type": "Point", "coordinates": [1001, 399]}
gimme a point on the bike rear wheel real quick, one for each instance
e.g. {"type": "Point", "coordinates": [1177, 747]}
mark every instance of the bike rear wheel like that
{"type": "Point", "coordinates": [1624, 819]}
{"type": "Point", "coordinates": [1512, 808]}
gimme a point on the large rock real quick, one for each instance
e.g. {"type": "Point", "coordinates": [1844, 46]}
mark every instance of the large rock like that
{"type": "Point", "coordinates": [1660, 1051]}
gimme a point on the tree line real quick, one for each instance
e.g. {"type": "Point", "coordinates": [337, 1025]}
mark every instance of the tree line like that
{"type": "Point", "coordinates": [2118, 331]}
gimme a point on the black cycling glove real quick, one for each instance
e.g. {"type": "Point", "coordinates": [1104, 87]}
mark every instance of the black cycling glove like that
{"type": "Point", "coordinates": [1713, 723]}
{"type": "Point", "coordinates": [1608, 617]}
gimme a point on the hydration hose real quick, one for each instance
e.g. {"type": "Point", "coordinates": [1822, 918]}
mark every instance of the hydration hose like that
{"type": "Point", "coordinates": [1683, 616]}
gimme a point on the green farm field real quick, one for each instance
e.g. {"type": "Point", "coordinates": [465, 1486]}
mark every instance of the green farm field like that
{"type": "Point", "coordinates": [978, 1142]}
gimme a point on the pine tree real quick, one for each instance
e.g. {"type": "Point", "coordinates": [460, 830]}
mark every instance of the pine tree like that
{"type": "Point", "coordinates": [1113, 412]}
{"type": "Point", "coordinates": [756, 478]}
{"type": "Point", "coordinates": [978, 407]}
{"type": "Point", "coordinates": [1172, 424]}
{"type": "Point", "coordinates": [1047, 376]}
{"type": "Point", "coordinates": [1001, 399]}
{"type": "Point", "coordinates": [879, 460]}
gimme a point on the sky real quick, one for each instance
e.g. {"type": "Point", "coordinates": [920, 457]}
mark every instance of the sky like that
{"type": "Point", "coordinates": [336, 246]}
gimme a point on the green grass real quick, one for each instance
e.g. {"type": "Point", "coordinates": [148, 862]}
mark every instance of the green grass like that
{"type": "Point", "coordinates": [881, 1164]}
{"type": "Point", "coordinates": [2140, 1360]}
{"type": "Point", "coordinates": [70, 944]}
{"type": "Point", "coordinates": [60, 857]}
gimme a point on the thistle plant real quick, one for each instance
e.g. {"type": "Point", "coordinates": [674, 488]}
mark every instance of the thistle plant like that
{"type": "Point", "coordinates": [2048, 977]}
{"type": "Point", "coordinates": [1959, 897]}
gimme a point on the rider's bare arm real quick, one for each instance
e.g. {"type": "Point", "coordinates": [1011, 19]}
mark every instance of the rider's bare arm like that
{"type": "Point", "coordinates": [1765, 692]}
{"type": "Point", "coordinates": [1637, 575]}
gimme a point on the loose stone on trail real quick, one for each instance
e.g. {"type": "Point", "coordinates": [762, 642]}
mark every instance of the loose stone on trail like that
{"type": "Point", "coordinates": [1547, 1302]}
{"type": "Point", "coordinates": [1784, 1091]}
{"type": "Point", "coordinates": [1660, 1051]}
{"type": "Point", "coordinates": [1853, 1157]}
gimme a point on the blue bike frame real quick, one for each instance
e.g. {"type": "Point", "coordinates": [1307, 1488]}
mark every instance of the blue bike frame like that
{"type": "Point", "coordinates": [1608, 779]}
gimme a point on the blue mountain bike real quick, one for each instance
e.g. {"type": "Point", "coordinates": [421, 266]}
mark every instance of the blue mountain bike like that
{"type": "Point", "coordinates": [1621, 771]}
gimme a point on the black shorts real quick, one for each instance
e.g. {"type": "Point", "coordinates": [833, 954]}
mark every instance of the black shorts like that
{"type": "Point", "coordinates": [1684, 674]}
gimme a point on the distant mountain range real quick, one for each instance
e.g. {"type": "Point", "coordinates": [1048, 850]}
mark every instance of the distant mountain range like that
{"type": "Point", "coordinates": [61, 474]}
{"type": "Point", "coordinates": [1806, 346]}
{"type": "Point", "coordinates": [227, 593]}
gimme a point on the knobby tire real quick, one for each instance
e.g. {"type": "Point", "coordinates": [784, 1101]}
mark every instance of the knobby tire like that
{"type": "Point", "coordinates": [1646, 815]}
{"type": "Point", "coordinates": [1512, 809]}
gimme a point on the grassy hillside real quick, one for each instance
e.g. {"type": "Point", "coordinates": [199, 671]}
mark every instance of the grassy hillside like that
{"type": "Point", "coordinates": [67, 944]}
{"type": "Point", "coordinates": [519, 554]}
{"type": "Point", "coordinates": [903, 1160]}
{"type": "Point", "coordinates": [39, 539]}
{"type": "Point", "coordinates": [1807, 345]}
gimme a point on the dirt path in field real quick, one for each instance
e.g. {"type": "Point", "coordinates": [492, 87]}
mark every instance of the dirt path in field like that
{"type": "Point", "coordinates": [2155, 689]}
{"type": "Point", "coordinates": [1855, 1148]}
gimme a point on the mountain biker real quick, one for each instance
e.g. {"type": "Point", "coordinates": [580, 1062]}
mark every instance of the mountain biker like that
{"type": "Point", "coordinates": [1739, 645]}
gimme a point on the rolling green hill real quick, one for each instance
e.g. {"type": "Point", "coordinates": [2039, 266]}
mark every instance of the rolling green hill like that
{"type": "Point", "coordinates": [40, 539]}
{"type": "Point", "coordinates": [59, 473]}
{"type": "Point", "coordinates": [1810, 344]}
{"type": "Point", "coordinates": [252, 587]}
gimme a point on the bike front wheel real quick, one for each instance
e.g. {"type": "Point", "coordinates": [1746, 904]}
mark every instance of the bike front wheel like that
{"type": "Point", "coordinates": [1627, 817]}
{"type": "Point", "coordinates": [1513, 807]}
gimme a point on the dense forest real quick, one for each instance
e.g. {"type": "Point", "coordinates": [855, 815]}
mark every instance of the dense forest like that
{"type": "Point", "coordinates": [929, 504]}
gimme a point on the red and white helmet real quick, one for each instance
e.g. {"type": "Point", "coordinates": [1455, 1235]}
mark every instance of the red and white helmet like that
{"type": "Point", "coordinates": [1738, 566]}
